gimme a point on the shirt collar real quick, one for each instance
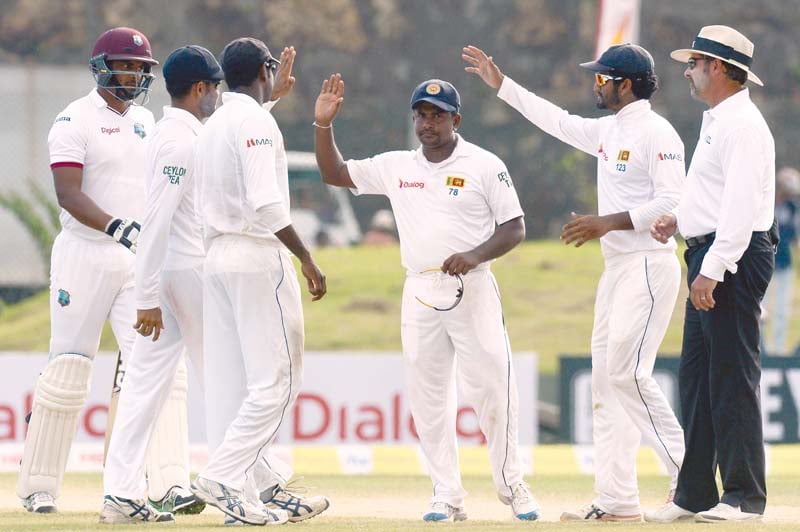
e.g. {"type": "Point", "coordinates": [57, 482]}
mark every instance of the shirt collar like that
{"type": "Point", "coordinates": [184, 116]}
{"type": "Point", "coordinates": [633, 110]}
{"type": "Point", "coordinates": [461, 150]}
{"type": "Point", "coordinates": [232, 96]}
{"type": "Point", "coordinates": [730, 105]}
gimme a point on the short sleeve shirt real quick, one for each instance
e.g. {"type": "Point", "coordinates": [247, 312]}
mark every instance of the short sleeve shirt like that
{"type": "Point", "coordinates": [440, 208]}
{"type": "Point", "coordinates": [110, 148]}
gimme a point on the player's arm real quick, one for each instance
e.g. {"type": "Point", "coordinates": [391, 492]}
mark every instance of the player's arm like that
{"type": "Point", "coordinates": [506, 237]}
{"type": "Point", "coordinates": [329, 159]}
{"type": "Point", "coordinates": [668, 172]}
{"type": "Point", "coordinates": [584, 227]}
{"type": "Point", "coordinates": [582, 133]}
{"type": "Point", "coordinates": [67, 181]}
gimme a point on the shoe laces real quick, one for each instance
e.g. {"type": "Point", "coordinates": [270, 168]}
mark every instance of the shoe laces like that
{"type": "Point", "coordinates": [521, 493]}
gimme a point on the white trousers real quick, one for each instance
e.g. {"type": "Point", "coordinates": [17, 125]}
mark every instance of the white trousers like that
{"type": "Point", "coordinates": [253, 345]}
{"type": "Point", "coordinates": [90, 282]}
{"type": "Point", "coordinates": [469, 343]}
{"type": "Point", "coordinates": [149, 377]}
{"type": "Point", "coordinates": [635, 299]}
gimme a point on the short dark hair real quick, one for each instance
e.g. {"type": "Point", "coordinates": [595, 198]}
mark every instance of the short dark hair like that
{"type": "Point", "coordinates": [642, 86]}
{"type": "Point", "coordinates": [735, 73]}
{"type": "Point", "coordinates": [242, 59]}
{"type": "Point", "coordinates": [179, 89]}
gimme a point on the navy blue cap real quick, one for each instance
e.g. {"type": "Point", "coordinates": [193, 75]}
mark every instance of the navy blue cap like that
{"type": "Point", "coordinates": [192, 63]}
{"type": "Point", "coordinates": [628, 59]}
{"type": "Point", "coordinates": [440, 93]}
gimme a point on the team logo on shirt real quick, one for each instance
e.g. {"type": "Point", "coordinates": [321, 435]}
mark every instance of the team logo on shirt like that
{"type": "Point", "coordinates": [624, 155]}
{"type": "Point", "coordinates": [411, 184]}
{"type": "Point", "coordinates": [505, 179]}
{"type": "Point", "coordinates": [259, 142]}
{"type": "Point", "coordinates": [63, 297]}
{"type": "Point", "coordinates": [670, 156]}
{"type": "Point", "coordinates": [139, 130]}
{"type": "Point", "coordinates": [458, 182]}
{"type": "Point", "coordinates": [174, 174]}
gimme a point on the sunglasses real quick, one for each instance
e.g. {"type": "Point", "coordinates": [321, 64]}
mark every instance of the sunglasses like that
{"type": "Point", "coordinates": [459, 293]}
{"type": "Point", "coordinates": [602, 79]}
{"type": "Point", "coordinates": [272, 64]}
{"type": "Point", "coordinates": [692, 61]}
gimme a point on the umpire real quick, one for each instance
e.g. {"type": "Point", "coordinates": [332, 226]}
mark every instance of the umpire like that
{"type": "Point", "coordinates": [726, 214]}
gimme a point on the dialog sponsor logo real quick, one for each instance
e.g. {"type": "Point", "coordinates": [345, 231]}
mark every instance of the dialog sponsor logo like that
{"type": "Point", "coordinates": [109, 130]}
{"type": "Point", "coordinates": [412, 184]}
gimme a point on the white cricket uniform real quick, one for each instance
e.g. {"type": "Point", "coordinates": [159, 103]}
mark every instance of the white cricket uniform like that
{"type": "Point", "coordinates": [169, 273]}
{"type": "Point", "coordinates": [252, 314]}
{"type": "Point", "coordinates": [91, 275]}
{"type": "Point", "coordinates": [441, 209]}
{"type": "Point", "coordinates": [640, 170]}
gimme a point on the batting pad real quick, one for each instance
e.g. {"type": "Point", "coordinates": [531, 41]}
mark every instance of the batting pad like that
{"type": "Point", "coordinates": [60, 394]}
{"type": "Point", "coordinates": [167, 461]}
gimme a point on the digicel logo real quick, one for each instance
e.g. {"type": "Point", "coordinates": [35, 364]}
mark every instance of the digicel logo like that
{"type": "Point", "coordinates": [315, 418]}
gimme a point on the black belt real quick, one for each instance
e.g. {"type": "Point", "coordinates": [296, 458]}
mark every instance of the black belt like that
{"type": "Point", "coordinates": [700, 240]}
{"type": "Point", "coordinates": [705, 239]}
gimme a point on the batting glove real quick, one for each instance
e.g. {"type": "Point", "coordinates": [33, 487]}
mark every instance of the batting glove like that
{"type": "Point", "coordinates": [126, 232]}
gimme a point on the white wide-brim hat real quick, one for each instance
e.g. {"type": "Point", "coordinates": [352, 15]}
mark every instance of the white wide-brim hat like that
{"type": "Point", "coordinates": [724, 43]}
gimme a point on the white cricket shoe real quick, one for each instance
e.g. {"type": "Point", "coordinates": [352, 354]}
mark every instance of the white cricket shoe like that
{"type": "Point", "coordinates": [234, 504]}
{"type": "Point", "coordinates": [298, 508]}
{"type": "Point", "coordinates": [593, 513]}
{"type": "Point", "coordinates": [523, 504]}
{"type": "Point", "coordinates": [668, 513]}
{"type": "Point", "coordinates": [725, 512]}
{"type": "Point", "coordinates": [117, 510]}
{"type": "Point", "coordinates": [179, 500]}
{"type": "Point", "coordinates": [441, 511]}
{"type": "Point", "coordinates": [40, 502]}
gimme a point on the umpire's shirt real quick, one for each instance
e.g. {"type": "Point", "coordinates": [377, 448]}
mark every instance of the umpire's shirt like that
{"type": "Point", "coordinates": [730, 187]}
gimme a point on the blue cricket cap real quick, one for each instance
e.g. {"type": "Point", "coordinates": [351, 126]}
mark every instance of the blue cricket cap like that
{"type": "Point", "coordinates": [625, 59]}
{"type": "Point", "coordinates": [440, 93]}
{"type": "Point", "coordinates": [190, 64]}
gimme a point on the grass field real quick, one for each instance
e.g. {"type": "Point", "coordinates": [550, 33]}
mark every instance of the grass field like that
{"type": "Point", "coordinates": [395, 503]}
{"type": "Point", "coordinates": [547, 288]}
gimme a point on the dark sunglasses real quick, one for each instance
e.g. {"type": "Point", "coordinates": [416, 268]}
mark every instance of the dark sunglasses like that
{"type": "Point", "coordinates": [272, 64]}
{"type": "Point", "coordinates": [692, 61]}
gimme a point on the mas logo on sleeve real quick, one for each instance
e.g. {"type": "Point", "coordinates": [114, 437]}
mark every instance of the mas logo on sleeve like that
{"type": "Point", "coordinates": [663, 156]}
{"type": "Point", "coordinates": [174, 174]}
{"type": "Point", "coordinates": [259, 142]}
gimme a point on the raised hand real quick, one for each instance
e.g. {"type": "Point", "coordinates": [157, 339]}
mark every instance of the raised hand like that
{"type": "Point", "coordinates": [329, 100]}
{"type": "Point", "coordinates": [284, 81]}
{"type": "Point", "coordinates": [482, 65]}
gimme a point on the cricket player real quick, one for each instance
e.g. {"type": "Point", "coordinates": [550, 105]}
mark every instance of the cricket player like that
{"type": "Point", "coordinates": [169, 273]}
{"type": "Point", "coordinates": [456, 210]}
{"type": "Point", "coordinates": [252, 314]}
{"type": "Point", "coordinates": [97, 147]}
{"type": "Point", "coordinates": [640, 171]}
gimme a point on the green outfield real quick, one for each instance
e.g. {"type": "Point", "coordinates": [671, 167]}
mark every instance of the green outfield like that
{"type": "Point", "coordinates": [395, 503]}
{"type": "Point", "coordinates": [547, 288]}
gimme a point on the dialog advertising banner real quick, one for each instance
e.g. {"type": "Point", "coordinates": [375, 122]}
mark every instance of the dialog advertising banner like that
{"type": "Point", "coordinates": [780, 396]}
{"type": "Point", "coordinates": [346, 399]}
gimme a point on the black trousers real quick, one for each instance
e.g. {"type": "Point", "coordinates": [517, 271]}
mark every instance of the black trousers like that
{"type": "Point", "coordinates": [719, 382]}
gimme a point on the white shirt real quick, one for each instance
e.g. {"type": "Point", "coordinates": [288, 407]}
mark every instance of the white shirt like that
{"type": "Point", "coordinates": [730, 187]}
{"type": "Point", "coordinates": [241, 171]}
{"type": "Point", "coordinates": [640, 163]}
{"type": "Point", "coordinates": [440, 208]}
{"type": "Point", "coordinates": [110, 148]}
{"type": "Point", "coordinates": [171, 235]}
